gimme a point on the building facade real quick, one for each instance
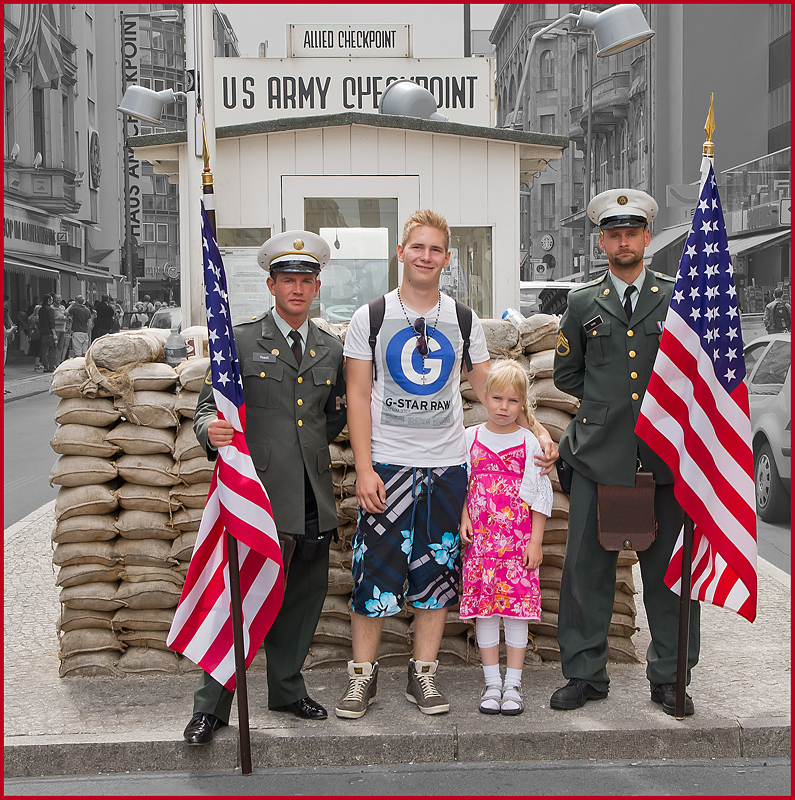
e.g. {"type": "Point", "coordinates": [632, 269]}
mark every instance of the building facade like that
{"type": "Point", "coordinates": [647, 108]}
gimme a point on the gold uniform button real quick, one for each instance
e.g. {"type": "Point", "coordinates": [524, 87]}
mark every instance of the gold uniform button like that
{"type": "Point", "coordinates": [593, 333]}
{"type": "Point", "coordinates": [329, 466]}
{"type": "Point", "coordinates": [584, 420]}
{"type": "Point", "coordinates": [262, 374]}
{"type": "Point", "coordinates": [300, 423]}
{"type": "Point", "coordinates": [253, 318]}
{"type": "Point", "coordinates": [632, 354]}
{"type": "Point", "coordinates": [630, 333]}
{"type": "Point", "coordinates": [633, 375]}
{"type": "Point", "coordinates": [635, 395]}
{"type": "Point", "coordinates": [300, 380]}
{"type": "Point", "coordinates": [312, 353]}
{"type": "Point", "coordinates": [328, 383]}
{"type": "Point", "coordinates": [606, 292]}
{"type": "Point", "coordinates": [655, 289]}
{"type": "Point", "coordinates": [300, 402]}
{"type": "Point", "coordinates": [275, 352]}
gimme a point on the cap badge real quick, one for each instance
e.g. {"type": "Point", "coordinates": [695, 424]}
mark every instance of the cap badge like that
{"type": "Point", "coordinates": [298, 244]}
{"type": "Point", "coordinates": [622, 200]}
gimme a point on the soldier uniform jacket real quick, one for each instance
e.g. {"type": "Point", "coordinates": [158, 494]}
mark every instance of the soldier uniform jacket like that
{"type": "Point", "coordinates": [607, 362]}
{"type": "Point", "coordinates": [291, 417]}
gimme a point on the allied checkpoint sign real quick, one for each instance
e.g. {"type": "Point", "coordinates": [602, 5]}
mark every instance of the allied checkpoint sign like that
{"type": "Point", "coordinates": [349, 41]}
{"type": "Point", "coordinates": [260, 89]}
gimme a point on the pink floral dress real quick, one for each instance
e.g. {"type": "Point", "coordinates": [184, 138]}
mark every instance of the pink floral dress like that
{"type": "Point", "coordinates": [494, 580]}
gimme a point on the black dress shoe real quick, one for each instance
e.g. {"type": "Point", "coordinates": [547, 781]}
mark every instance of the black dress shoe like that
{"type": "Point", "coordinates": [306, 708]}
{"type": "Point", "coordinates": [201, 727]}
{"type": "Point", "coordinates": [665, 695]}
{"type": "Point", "coordinates": [574, 695]}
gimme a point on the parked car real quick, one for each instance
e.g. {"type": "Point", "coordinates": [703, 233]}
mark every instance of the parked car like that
{"type": "Point", "coordinates": [767, 364]}
{"type": "Point", "coordinates": [167, 318]}
{"type": "Point", "coordinates": [544, 297]}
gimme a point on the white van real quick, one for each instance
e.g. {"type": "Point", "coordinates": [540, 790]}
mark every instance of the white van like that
{"type": "Point", "coordinates": [544, 297]}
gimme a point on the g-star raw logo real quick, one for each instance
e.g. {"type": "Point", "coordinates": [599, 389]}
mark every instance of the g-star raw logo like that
{"type": "Point", "coordinates": [405, 364]}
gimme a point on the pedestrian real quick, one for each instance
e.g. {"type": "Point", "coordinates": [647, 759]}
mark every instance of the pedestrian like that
{"type": "Point", "coordinates": [34, 337]}
{"type": "Point", "coordinates": [10, 330]}
{"type": "Point", "coordinates": [502, 526]}
{"type": "Point", "coordinates": [138, 318]}
{"type": "Point", "coordinates": [407, 434]}
{"type": "Point", "coordinates": [59, 312]}
{"type": "Point", "coordinates": [49, 336]}
{"type": "Point", "coordinates": [293, 379]}
{"type": "Point", "coordinates": [104, 315]}
{"type": "Point", "coordinates": [606, 347]}
{"type": "Point", "coordinates": [778, 316]}
{"type": "Point", "coordinates": [80, 317]}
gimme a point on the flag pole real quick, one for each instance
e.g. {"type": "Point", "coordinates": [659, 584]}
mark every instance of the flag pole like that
{"type": "Point", "coordinates": [208, 195]}
{"type": "Point", "coordinates": [708, 151]}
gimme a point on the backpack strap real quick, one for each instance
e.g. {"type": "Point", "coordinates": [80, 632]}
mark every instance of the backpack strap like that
{"type": "Point", "coordinates": [464, 314]}
{"type": "Point", "coordinates": [377, 309]}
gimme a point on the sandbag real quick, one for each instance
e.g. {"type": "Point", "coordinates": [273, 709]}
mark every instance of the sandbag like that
{"type": "Point", "coordinates": [148, 594]}
{"type": "Point", "coordinates": [152, 376]}
{"type": "Point", "coordinates": [538, 332]}
{"type": "Point", "coordinates": [146, 661]}
{"type": "Point", "coordinates": [155, 639]}
{"type": "Point", "coordinates": [341, 455]}
{"type": "Point", "coordinates": [83, 440]}
{"type": "Point", "coordinates": [190, 496]}
{"type": "Point", "coordinates": [187, 519]}
{"type": "Point", "coordinates": [69, 377]}
{"type": "Point", "coordinates": [85, 528]}
{"type": "Point", "coordinates": [88, 640]}
{"type": "Point", "coordinates": [96, 664]}
{"type": "Point", "coordinates": [150, 409]}
{"type": "Point", "coordinates": [560, 505]}
{"type": "Point", "coordinates": [476, 414]}
{"type": "Point", "coordinates": [99, 412]}
{"type": "Point", "coordinates": [502, 337]}
{"type": "Point", "coordinates": [137, 440]}
{"type": "Point", "coordinates": [182, 547]}
{"type": "Point", "coordinates": [144, 525]}
{"type": "Point", "coordinates": [542, 364]}
{"type": "Point", "coordinates": [335, 605]}
{"type": "Point", "coordinates": [556, 530]}
{"type": "Point", "coordinates": [340, 581]}
{"type": "Point", "coordinates": [185, 403]}
{"type": "Point", "coordinates": [75, 574]}
{"type": "Point", "coordinates": [142, 619]}
{"type": "Point", "coordinates": [143, 552]}
{"type": "Point", "coordinates": [347, 510]}
{"type": "Point", "coordinates": [116, 351]}
{"type": "Point", "coordinates": [139, 574]}
{"type": "Point", "coordinates": [158, 469]}
{"type": "Point", "coordinates": [554, 420]}
{"type": "Point", "coordinates": [191, 373]}
{"type": "Point", "coordinates": [84, 553]}
{"type": "Point", "coordinates": [138, 497]}
{"type": "Point", "coordinates": [93, 596]}
{"type": "Point", "coordinates": [82, 471]}
{"type": "Point", "coordinates": [187, 445]}
{"type": "Point", "coordinates": [340, 558]}
{"type": "Point", "coordinates": [71, 619]}
{"type": "Point", "coordinates": [544, 393]}
{"type": "Point", "coordinates": [195, 470]}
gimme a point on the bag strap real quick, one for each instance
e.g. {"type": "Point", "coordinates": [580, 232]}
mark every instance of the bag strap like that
{"type": "Point", "coordinates": [464, 314]}
{"type": "Point", "coordinates": [377, 309]}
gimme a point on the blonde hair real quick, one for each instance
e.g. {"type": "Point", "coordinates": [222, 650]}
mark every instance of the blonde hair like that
{"type": "Point", "coordinates": [506, 374]}
{"type": "Point", "coordinates": [426, 219]}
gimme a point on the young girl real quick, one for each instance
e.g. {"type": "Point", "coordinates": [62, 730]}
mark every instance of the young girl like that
{"type": "Point", "coordinates": [502, 525]}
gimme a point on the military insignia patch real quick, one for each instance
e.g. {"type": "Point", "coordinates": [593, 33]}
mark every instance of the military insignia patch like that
{"type": "Point", "coordinates": [562, 348]}
{"type": "Point", "coordinates": [209, 380]}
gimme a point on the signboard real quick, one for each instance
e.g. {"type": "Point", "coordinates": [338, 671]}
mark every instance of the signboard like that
{"type": "Point", "coordinates": [349, 41]}
{"type": "Point", "coordinates": [247, 283]}
{"type": "Point", "coordinates": [258, 89]}
{"type": "Point", "coordinates": [26, 231]}
{"type": "Point", "coordinates": [784, 214]}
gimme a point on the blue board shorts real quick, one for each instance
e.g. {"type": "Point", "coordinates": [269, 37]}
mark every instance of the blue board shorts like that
{"type": "Point", "coordinates": [410, 551]}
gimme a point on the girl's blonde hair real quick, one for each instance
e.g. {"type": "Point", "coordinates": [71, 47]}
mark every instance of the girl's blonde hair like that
{"type": "Point", "coordinates": [507, 373]}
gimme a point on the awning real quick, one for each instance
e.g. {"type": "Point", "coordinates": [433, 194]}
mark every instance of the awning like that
{"type": "Point", "coordinates": [665, 238]}
{"type": "Point", "coordinates": [756, 242]}
{"type": "Point", "coordinates": [48, 268]}
{"type": "Point", "coordinates": [12, 265]}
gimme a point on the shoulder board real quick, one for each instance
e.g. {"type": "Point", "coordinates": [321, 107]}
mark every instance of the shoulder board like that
{"type": "Point", "coordinates": [594, 282]}
{"type": "Point", "coordinates": [257, 318]}
{"type": "Point", "coordinates": [664, 277]}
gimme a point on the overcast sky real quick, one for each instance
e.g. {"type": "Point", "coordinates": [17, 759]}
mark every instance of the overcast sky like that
{"type": "Point", "coordinates": [438, 28]}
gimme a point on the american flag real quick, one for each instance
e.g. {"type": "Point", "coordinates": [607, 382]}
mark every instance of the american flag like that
{"type": "Point", "coordinates": [695, 415]}
{"type": "Point", "coordinates": [237, 502]}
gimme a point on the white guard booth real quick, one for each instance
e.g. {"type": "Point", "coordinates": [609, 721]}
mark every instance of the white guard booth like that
{"type": "Point", "coordinates": [354, 178]}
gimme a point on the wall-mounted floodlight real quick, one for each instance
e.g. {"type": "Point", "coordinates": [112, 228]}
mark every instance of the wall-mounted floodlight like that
{"type": "Point", "coordinates": [404, 98]}
{"type": "Point", "coordinates": [147, 104]}
{"type": "Point", "coordinates": [615, 29]}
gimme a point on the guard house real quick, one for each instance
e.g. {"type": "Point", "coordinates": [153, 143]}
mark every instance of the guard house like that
{"type": "Point", "coordinates": [354, 178]}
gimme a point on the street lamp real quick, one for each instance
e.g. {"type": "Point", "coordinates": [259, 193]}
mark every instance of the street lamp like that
{"type": "Point", "coordinates": [170, 15]}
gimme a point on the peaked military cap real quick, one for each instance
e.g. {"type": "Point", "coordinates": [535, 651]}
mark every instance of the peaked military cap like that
{"type": "Point", "coordinates": [622, 208]}
{"type": "Point", "coordinates": [294, 251]}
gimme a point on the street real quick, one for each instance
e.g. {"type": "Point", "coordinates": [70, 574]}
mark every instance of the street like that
{"type": "Point", "coordinates": [737, 777]}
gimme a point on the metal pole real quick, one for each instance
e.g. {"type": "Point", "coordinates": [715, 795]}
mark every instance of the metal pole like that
{"type": "Point", "coordinates": [684, 619]}
{"type": "Point", "coordinates": [467, 32]}
{"type": "Point", "coordinates": [126, 151]}
{"type": "Point", "coordinates": [588, 157]}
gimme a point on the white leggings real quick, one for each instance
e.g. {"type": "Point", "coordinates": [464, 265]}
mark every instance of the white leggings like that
{"type": "Point", "coordinates": [488, 631]}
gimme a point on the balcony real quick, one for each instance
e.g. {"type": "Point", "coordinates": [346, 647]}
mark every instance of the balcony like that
{"type": "Point", "coordinates": [50, 189]}
{"type": "Point", "coordinates": [610, 103]}
{"type": "Point", "coordinates": [576, 130]}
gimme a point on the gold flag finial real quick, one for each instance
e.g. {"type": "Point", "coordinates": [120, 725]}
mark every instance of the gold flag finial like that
{"type": "Point", "coordinates": [207, 175]}
{"type": "Point", "coordinates": [709, 126]}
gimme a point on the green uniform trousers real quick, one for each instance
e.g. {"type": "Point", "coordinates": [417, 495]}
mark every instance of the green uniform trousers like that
{"type": "Point", "coordinates": [587, 592]}
{"type": "Point", "coordinates": [287, 642]}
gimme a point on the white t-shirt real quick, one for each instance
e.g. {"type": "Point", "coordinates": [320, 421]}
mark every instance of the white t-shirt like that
{"type": "Point", "coordinates": [416, 423]}
{"type": "Point", "coordinates": [535, 489]}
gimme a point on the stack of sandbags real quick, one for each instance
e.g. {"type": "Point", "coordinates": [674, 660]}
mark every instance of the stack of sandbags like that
{"type": "Point", "coordinates": [133, 484]}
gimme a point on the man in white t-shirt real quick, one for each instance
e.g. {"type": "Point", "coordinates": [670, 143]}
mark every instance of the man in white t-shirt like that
{"type": "Point", "coordinates": [407, 432]}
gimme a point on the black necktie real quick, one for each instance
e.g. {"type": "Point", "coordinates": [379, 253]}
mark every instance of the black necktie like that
{"type": "Point", "coordinates": [628, 301]}
{"type": "Point", "coordinates": [296, 346]}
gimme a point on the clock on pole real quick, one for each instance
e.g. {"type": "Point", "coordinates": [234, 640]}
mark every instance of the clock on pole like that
{"type": "Point", "coordinates": [547, 242]}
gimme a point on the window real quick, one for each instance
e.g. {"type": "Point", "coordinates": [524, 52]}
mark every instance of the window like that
{"type": "Point", "coordinates": [161, 184]}
{"type": "Point", "coordinates": [9, 130]}
{"type": "Point", "coordinates": [149, 232]}
{"type": "Point", "coordinates": [548, 210]}
{"type": "Point", "coordinates": [147, 82]}
{"type": "Point", "coordinates": [162, 232]}
{"type": "Point", "coordinates": [67, 127]}
{"type": "Point", "coordinates": [547, 70]}
{"type": "Point", "coordinates": [547, 123]}
{"type": "Point", "coordinates": [772, 370]}
{"type": "Point", "coordinates": [469, 276]}
{"type": "Point", "coordinates": [640, 145]}
{"type": "Point", "coordinates": [39, 126]}
{"type": "Point", "coordinates": [159, 85]}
